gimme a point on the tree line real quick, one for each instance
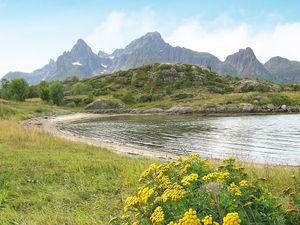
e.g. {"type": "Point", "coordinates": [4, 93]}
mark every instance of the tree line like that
{"type": "Point", "coordinates": [18, 89]}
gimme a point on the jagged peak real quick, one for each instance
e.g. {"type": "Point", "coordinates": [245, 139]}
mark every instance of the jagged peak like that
{"type": "Point", "coordinates": [81, 44]}
{"type": "Point", "coordinates": [154, 34]}
{"type": "Point", "coordinates": [103, 54]}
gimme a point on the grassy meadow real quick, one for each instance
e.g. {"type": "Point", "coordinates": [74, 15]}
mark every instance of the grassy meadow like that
{"type": "Point", "coordinates": [48, 180]}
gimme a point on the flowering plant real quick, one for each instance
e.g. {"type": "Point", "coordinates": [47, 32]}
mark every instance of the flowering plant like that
{"type": "Point", "coordinates": [193, 192]}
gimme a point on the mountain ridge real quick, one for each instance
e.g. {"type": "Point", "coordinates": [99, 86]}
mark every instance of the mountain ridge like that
{"type": "Point", "coordinates": [151, 48]}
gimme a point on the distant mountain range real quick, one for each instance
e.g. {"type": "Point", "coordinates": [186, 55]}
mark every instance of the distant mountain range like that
{"type": "Point", "coordinates": [81, 61]}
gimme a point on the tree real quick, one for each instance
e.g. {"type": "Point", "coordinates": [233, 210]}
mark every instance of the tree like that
{"type": "Point", "coordinates": [127, 97]}
{"type": "Point", "coordinates": [81, 88]}
{"type": "Point", "coordinates": [44, 91]}
{"type": "Point", "coordinates": [17, 89]}
{"type": "Point", "coordinates": [57, 92]}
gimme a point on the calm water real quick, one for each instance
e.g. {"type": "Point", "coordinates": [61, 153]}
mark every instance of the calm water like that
{"type": "Point", "coordinates": [272, 139]}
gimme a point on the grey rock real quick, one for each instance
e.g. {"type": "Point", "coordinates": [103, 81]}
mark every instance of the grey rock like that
{"type": "Point", "coordinates": [247, 65]}
{"type": "Point", "coordinates": [245, 98]}
{"type": "Point", "coordinates": [270, 106]}
{"type": "Point", "coordinates": [283, 107]}
{"type": "Point", "coordinates": [283, 70]}
{"type": "Point", "coordinates": [258, 97]}
{"type": "Point", "coordinates": [104, 104]}
{"type": "Point", "coordinates": [180, 110]}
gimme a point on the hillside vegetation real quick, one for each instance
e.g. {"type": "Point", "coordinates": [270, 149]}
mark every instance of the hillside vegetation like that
{"type": "Point", "coordinates": [167, 85]}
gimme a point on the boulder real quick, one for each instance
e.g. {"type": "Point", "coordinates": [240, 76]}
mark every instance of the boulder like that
{"type": "Point", "coordinates": [245, 98]}
{"type": "Point", "coordinates": [105, 104]}
{"type": "Point", "coordinates": [270, 107]}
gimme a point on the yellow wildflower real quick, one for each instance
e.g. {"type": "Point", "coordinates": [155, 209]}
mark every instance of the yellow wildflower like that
{"type": "Point", "coordinates": [145, 194]}
{"type": "Point", "coordinates": [235, 188]}
{"type": "Point", "coordinates": [192, 157]}
{"type": "Point", "coordinates": [157, 216]}
{"type": "Point", "coordinates": [148, 171]}
{"type": "Point", "coordinates": [220, 177]}
{"type": "Point", "coordinates": [229, 160]}
{"type": "Point", "coordinates": [190, 218]}
{"type": "Point", "coordinates": [164, 182]}
{"type": "Point", "coordinates": [173, 193]}
{"type": "Point", "coordinates": [131, 201]}
{"type": "Point", "coordinates": [207, 220]}
{"type": "Point", "coordinates": [244, 183]}
{"type": "Point", "coordinates": [188, 179]}
{"type": "Point", "coordinates": [232, 219]}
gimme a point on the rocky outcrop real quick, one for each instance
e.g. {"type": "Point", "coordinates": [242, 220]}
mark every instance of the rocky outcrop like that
{"type": "Point", "coordinates": [247, 65]}
{"type": "Point", "coordinates": [283, 70]}
{"type": "Point", "coordinates": [104, 105]}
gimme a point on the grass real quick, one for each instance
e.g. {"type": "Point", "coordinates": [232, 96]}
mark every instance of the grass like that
{"type": "Point", "coordinates": [32, 107]}
{"type": "Point", "coordinates": [47, 180]}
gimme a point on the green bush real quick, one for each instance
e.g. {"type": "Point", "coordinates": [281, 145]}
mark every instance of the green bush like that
{"type": "Point", "coordinates": [44, 91]}
{"type": "Point", "coordinates": [57, 92]}
{"type": "Point", "coordinates": [81, 88]}
{"type": "Point", "coordinates": [127, 97]}
{"type": "Point", "coordinates": [192, 191]}
{"type": "Point", "coordinates": [17, 89]}
{"type": "Point", "coordinates": [279, 99]}
{"type": "Point", "coordinates": [181, 96]}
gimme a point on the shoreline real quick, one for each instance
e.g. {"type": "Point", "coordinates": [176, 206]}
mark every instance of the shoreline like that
{"type": "Point", "coordinates": [51, 125]}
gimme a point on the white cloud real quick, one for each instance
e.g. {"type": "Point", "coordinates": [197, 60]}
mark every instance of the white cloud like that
{"type": "Point", "coordinates": [221, 36]}
{"type": "Point", "coordinates": [282, 39]}
{"type": "Point", "coordinates": [120, 28]}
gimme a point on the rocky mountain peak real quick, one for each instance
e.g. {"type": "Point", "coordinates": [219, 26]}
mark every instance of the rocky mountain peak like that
{"type": "Point", "coordinates": [277, 60]}
{"type": "Point", "coordinates": [81, 47]}
{"type": "Point", "coordinates": [246, 64]}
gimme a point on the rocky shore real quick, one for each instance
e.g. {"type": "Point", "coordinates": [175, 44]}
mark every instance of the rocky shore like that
{"type": "Point", "coordinates": [243, 108]}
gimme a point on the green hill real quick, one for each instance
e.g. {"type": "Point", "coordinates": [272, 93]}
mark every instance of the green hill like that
{"type": "Point", "coordinates": [183, 85]}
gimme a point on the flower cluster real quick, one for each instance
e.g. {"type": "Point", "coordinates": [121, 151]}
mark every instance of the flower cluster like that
{"type": "Point", "coordinates": [232, 219]}
{"type": "Point", "coordinates": [220, 177]}
{"type": "Point", "coordinates": [157, 216]}
{"type": "Point", "coordinates": [187, 180]}
{"type": "Point", "coordinates": [173, 193]}
{"type": "Point", "coordinates": [145, 194]}
{"type": "Point", "coordinates": [189, 218]}
{"type": "Point", "coordinates": [191, 192]}
{"type": "Point", "coordinates": [235, 189]}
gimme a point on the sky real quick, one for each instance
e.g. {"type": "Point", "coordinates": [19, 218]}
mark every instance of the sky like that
{"type": "Point", "coordinates": [34, 31]}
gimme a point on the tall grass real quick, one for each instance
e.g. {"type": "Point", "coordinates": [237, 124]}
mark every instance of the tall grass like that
{"type": "Point", "coordinates": [46, 180]}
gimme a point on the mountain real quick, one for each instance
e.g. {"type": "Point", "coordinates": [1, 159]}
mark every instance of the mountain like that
{"type": "Point", "coordinates": [81, 61]}
{"type": "Point", "coordinates": [151, 48]}
{"type": "Point", "coordinates": [283, 70]}
{"type": "Point", "coordinates": [36, 76]}
{"type": "Point", "coordinates": [247, 65]}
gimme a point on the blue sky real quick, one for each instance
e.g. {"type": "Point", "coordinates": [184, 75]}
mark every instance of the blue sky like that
{"type": "Point", "coordinates": [33, 31]}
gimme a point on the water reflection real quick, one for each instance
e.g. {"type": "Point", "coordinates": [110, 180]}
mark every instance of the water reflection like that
{"type": "Point", "coordinates": [272, 139]}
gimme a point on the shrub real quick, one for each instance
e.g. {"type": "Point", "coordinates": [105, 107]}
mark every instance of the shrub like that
{"type": "Point", "coordinates": [279, 99]}
{"type": "Point", "coordinates": [192, 191]}
{"type": "Point", "coordinates": [57, 92]}
{"type": "Point", "coordinates": [44, 91]}
{"type": "Point", "coordinates": [17, 89]}
{"type": "Point", "coordinates": [81, 88]}
{"type": "Point", "coordinates": [127, 97]}
{"type": "Point", "coordinates": [181, 96]}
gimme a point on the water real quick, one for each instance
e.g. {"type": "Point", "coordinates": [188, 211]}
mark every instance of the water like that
{"type": "Point", "coordinates": [269, 139]}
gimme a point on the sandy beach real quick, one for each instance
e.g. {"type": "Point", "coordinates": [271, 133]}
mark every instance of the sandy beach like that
{"type": "Point", "coordinates": [51, 125]}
